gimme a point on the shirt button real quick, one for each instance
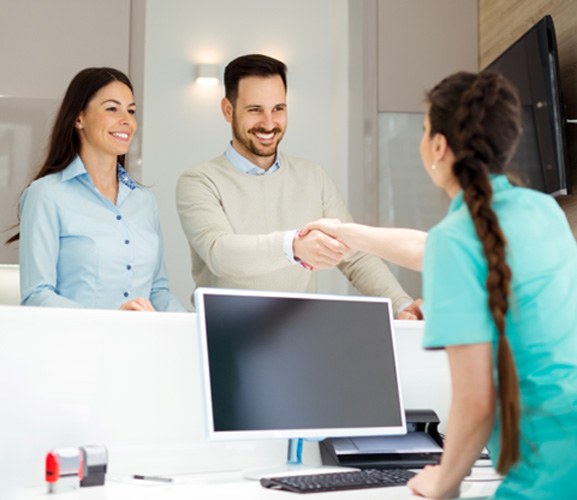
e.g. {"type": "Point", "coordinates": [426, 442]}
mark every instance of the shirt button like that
{"type": "Point", "coordinates": [118, 217]}
{"type": "Point", "coordinates": [129, 267]}
{"type": "Point", "coordinates": [126, 242]}
{"type": "Point", "coordinates": [125, 294]}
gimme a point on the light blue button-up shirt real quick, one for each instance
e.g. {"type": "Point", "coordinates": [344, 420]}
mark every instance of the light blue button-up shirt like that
{"type": "Point", "coordinates": [78, 249]}
{"type": "Point", "coordinates": [241, 163]}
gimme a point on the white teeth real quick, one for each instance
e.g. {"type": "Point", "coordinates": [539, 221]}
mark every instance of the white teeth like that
{"type": "Point", "coordinates": [270, 135]}
{"type": "Point", "coordinates": [121, 135]}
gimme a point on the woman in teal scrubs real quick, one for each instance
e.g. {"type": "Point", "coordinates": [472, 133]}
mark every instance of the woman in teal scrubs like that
{"type": "Point", "coordinates": [500, 295]}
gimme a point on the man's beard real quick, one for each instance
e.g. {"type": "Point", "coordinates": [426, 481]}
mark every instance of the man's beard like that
{"type": "Point", "coordinates": [251, 144]}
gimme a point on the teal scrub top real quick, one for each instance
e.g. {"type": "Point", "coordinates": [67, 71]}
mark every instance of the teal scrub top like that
{"type": "Point", "coordinates": [541, 325]}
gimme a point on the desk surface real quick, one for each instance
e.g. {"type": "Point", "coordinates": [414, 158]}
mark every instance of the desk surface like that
{"type": "Point", "coordinates": [230, 485]}
{"type": "Point", "coordinates": [132, 382]}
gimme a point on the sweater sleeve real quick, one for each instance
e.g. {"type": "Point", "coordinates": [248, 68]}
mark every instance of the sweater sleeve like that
{"type": "Point", "coordinates": [367, 273]}
{"type": "Point", "coordinates": [210, 234]}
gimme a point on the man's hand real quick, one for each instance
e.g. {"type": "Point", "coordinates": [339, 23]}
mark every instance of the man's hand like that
{"type": "Point", "coordinates": [412, 311]}
{"type": "Point", "coordinates": [318, 250]}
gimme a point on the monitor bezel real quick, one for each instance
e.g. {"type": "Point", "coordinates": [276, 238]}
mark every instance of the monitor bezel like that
{"type": "Point", "coordinates": [310, 433]}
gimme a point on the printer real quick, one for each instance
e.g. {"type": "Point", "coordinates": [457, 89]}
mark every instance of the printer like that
{"type": "Point", "coordinates": [421, 445]}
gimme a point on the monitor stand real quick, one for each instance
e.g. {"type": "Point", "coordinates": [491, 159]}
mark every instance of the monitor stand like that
{"type": "Point", "coordinates": [293, 465]}
{"type": "Point", "coordinates": [295, 452]}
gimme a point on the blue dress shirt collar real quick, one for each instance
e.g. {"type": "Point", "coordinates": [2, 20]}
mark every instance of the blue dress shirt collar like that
{"type": "Point", "coordinates": [246, 166]}
{"type": "Point", "coordinates": [77, 168]}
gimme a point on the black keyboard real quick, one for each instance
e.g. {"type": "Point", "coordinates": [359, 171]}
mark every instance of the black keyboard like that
{"type": "Point", "coordinates": [334, 481]}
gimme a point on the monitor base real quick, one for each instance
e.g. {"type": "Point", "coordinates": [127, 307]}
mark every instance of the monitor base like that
{"type": "Point", "coordinates": [293, 466]}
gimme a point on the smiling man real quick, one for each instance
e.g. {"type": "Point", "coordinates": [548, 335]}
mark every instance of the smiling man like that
{"type": "Point", "coordinates": [242, 211]}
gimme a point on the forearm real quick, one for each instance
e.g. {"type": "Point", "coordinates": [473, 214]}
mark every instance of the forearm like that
{"type": "Point", "coordinates": [400, 246]}
{"type": "Point", "coordinates": [466, 437]}
{"type": "Point", "coordinates": [163, 300]}
{"type": "Point", "coordinates": [38, 273]}
{"type": "Point", "coordinates": [472, 412]}
{"type": "Point", "coordinates": [229, 248]}
{"type": "Point", "coordinates": [160, 296]}
{"type": "Point", "coordinates": [371, 276]}
{"type": "Point", "coordinates": [241, 256]}
{"type": "Point", "coordinates": [46, 297]}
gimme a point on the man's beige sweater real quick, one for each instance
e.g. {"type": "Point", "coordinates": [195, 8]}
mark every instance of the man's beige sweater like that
{"type": "Point", "coordinates": [235, 225]}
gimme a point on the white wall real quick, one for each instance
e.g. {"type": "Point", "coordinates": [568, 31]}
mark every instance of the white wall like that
{"type": "Point", "coordinates": [44, 44]}
{"type": "Point", "coordinates": [182, 124]}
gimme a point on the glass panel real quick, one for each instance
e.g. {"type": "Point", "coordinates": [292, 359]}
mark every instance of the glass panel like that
{"type": "Point", "coordinates": [407, 197]}
{"type": "Point", "coordinates": [24, 129]}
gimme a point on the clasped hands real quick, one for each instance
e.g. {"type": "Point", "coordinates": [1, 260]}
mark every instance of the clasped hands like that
{"type": "Point", "coordinates": [322, 245]}
{"type": "Point", "coordinates": [317, 245]}
{"type": "Point", "coordinates": [138, 304]}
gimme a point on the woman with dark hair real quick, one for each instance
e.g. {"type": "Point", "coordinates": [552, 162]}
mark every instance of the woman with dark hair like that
{"type": "Point", "coordinates": [89, 235]}
{"type": "Point", "coordinates": [499, 275]}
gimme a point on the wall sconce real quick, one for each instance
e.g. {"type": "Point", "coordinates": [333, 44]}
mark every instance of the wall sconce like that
{"type": "Point", "coordinates": [207, 74]}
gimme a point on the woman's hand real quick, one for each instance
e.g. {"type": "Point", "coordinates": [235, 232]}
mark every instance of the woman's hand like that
{"type": "Point", "coordinates": [427, 484]}
{"type": "Point", "coordinates": [328, 226]}
{"type": "Point", "coordinates": [138, 304]}
{"type": "Point", "coordinates": [401, 246]}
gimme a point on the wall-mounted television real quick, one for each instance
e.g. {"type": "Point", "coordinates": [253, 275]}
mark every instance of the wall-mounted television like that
{"type": "Point", "coordinates": [531, 64]}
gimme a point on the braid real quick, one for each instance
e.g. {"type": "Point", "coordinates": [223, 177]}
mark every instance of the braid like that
{"type": "Point", "coordinates": [475, 154]}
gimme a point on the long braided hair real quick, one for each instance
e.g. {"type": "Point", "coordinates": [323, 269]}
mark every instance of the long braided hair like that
{"type": "Point", "coordinates": [479, 114]}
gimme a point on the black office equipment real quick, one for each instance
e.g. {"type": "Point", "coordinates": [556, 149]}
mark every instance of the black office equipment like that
{"type": "Point", "coordinates": [531, 64]}
{"type": "Point", "coordinates": [422, 445]}
{"type": "Point", "coordinates": [95, 464]}
{"type": "Point", "coordinates": [336, 481]}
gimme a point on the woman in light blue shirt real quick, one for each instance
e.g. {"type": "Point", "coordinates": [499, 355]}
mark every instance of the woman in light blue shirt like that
{"type": "Point", "coordinates": [500, 295]}
{"type": "Point", "coordinates": [89, 235]}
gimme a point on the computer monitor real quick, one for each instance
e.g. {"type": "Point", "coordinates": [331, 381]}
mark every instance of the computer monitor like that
{"type": "Point", "coordinates": [295, 365]}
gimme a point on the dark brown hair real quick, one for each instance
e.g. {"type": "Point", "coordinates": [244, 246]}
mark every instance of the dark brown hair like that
{"type": "Point", "coordinates": [64, 143]}
{"type": "Point", "coordinates": [250, 65]}
{"type": "Point", "coordinates": [479, 114]}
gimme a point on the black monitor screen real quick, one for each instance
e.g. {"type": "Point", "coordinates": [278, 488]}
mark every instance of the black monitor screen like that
{"type": "Point", "coordinates": [299, 365]}
{"type": "Point", "coordinates": [531, 64]}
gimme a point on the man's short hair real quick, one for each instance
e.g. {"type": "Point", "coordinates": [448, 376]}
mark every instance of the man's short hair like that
{"type": "Point", "coordinates": [250, 65]}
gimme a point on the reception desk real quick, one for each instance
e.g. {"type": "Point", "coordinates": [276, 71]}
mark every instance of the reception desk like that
{"type": "Point", "coordinates": [132, 382]}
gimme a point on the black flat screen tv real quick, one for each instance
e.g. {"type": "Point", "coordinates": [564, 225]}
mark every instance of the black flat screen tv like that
{"type": "Point", "coordinates": [531, 64]}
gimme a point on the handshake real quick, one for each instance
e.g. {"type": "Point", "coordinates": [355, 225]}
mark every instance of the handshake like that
{"type": "Point", "coordinates": [318, 246]}
{"type": "Point", "coordinates": [324, 243]}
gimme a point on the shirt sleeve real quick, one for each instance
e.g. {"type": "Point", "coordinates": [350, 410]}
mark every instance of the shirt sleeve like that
{"type": "Point", "coordinates": [211, 235]}
{"type": "Point", "coordinates": [288, 239]}
{"type": "Point", "coordinates": [455, 296]}
{"type": "Point", "coordinates": [160, 296]}
{"type": "Point", "coordinates": [39, 247]}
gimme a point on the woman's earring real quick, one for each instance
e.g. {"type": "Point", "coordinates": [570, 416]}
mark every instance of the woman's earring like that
{"type": "Point", "coordinates": [434, 166]}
